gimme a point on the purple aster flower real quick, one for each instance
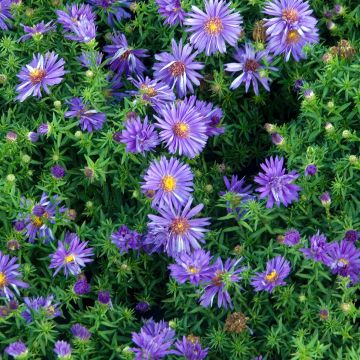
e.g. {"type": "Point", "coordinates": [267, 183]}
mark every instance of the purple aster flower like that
{"type": "Point", "coordinates": [19, 225]}
{"type": "Point", "coordinates": [41, 217]}
{"type": "Point", "coordinates": [115, 9]}
{"type": "Point", "coordinates": [71, 254]}
{"type": "Point", "coordinates": [73, 14]}
{"type": "Point", "coordinates": [277, 139]}
{"type": "Point", "coordinates": [138, 136]}
{"type": "Point", "coordinates": [81, 286]}
{"type": "Point", "coordinates": [80, 332]}
{"type": "Point", "coordinates": [62, 349]}
{"type": "Point", "coordinates": [223, 276]}
{"type": "Point", "coordinates": [13, 245]}
{"type": "Point", "coordinates": [183, 232]}
{"type": "Point", "coordinates": [153, 341]}
{"type": "Point", "coordinates": [183, 129]}
{"type": "Point", "coordinates": [82, 31]}
{"type": "Point", "coordinates": [58, 171]}
{"type": "Point", "coordinates": [153, 92]}
{"type": "Point", "coordinates": [178, 68]}
{"type": "Point", "coordinates": [344, 259]}
{"type": "Point", "coordinates": [277, 269]}
{"type": "Point", "coordinates": [11, 136]}
{"type": "Point", "coordinates": [325, 199]}
{"type": "Point", "coordinates": [10, 276]}
{"type": "Point", "coordinates": [5, 14]}
{"type": "Point", "coordinates": [126, 239]}
{"type": "Point", "coordinates": [171, 11]}
{"type": "Point", "coordinates": [155, 240]}
{"type": "Point", "coordinates": [190, 349]}
{"type": "Point", "coordinates": [17, 350]}
{"type": "Point", "coordinates": [123, 58]}
{"type": "Point", "coordinates": [43, 129]}
{"type": "Point", "coordinates": [142, 307]}
{"type": "Point", "coordinates": [258, 358]}
{"type": "Point", "coordinates": [310, 170]}
{"type": "Point", "coordinates": [212, 29]}
{"type": "Point", "coordinates": [253, 66]}
{"type": "Point", "coordinates": [42, 72]}
{"type": "Point", "coordinates": [298, 85]}
{"type": "Point", "coordinates": [40, 306]}
{"type": "Point", "coordinates": [290, 27]}
{"type": "Point", "coordinates": [89, 119]}
{"type": "Point", "coordinates": [90, 59]}
{"type": "Point", "coordinates": [171, 181]}
{"type": "Point", "coordinates": [104, 297]}
{"type": "Point", "coordinates": [240, 194]}
{"type": "Point", "coordinates": [318, 248]}
{"type": "Point", "coordinates": [33, 136]}
{"type": "Point", "coordinates": [194, 267]}
{"type": "Point", "coordinates": [275, 184]}
{"type": "Point", "coordinates": [37, 30]}
{"type": "Point", "coordinates": [351, 235]}
{"type": "Point", "coordinates": [292, 237]}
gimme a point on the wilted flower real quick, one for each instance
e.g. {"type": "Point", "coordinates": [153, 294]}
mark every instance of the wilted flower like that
{"type": "Point", "coordinates": [171, 11]}
{"type": "Point", "coordinates": [71, 255]}
{"type": "Point", "coordinates": [63, 350]}
{"type": "Point", "coordinates": [324, 314]}
{"type": "Point", "coordinates": [40, 306]}
{"type": "Point", "coordinates": [277, 269]}
{"type": "Point", "coordinates": [37, 30]}
{"type": "Point", "coordinates": [212, 29]}
{"type": "Point", "coordinates": [351, 235]}
{"type": "Point", "coordinates": [17, 349]}
{"type": "Point", "coordinates": [236, 323]}
{"type": "Point", "coordinates": [40, 73]}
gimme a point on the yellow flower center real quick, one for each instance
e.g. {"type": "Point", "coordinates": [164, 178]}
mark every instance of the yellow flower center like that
{"type": "Point", "coordinates": [273, 276]}
{"type": "Point", "coordinates": [37, 222]}
{"type": "Point", "coordinates": [148, 90]}
{"type": "Point", "coordinates": [181, 129]}
{"type": "Point", "coordinates": [69, 258]}
{"type": "Point", "coordinates": [36, 75]}
{"type": "Point", "coordinates": [193, 270]}
{"type": "Point", "coordinates": [168, 183]}
{"type": "Point", "coordinates": [213, 26]}
{"type": "Point", "coordinates": [3, 280]}
{"type": "Point", "coordinates": [179, 226]}
{"type": "Point", "coordinates": [177, 68]}
{"type": "Point", "coordinates": [290, 15]}
{"type": "Point", "coordinates": [293, 37]}
{"type": "Point", "coordinates": [344, 261]}
{"type": "Point", "coordinates": [51, 310]}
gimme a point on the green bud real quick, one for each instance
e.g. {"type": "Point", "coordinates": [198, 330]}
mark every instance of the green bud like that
{"type": "Point", "coordinates": [78, 134]}
{"type": "Point", "coordinates": [330, 104]}
{"type": "Point", "coordinates": [353, 159]}
{"type": "Point", "coordinates": [346, 134]}
{"type": "Point", "coordinates": [329, 127]}
{"type": "Point", "coordinates": [57, 104]}
{"type": "Point", "coordinates": [209, 188]}
{"type": "Point", "coordinates": [10, 178]}
{"type": "Point", "coordinates": [26, 158]}
{"type": "Point", "coordinates": [89, 74]}
{"type": "Point", "coordinates": [3, 79]}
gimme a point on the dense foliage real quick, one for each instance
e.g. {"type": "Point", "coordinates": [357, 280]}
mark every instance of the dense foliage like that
{"type": "Point", "coordinates": [88, 202]}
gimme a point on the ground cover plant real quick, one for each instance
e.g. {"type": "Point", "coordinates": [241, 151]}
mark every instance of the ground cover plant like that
{"type": "Point", "coordinates": [179, 179]}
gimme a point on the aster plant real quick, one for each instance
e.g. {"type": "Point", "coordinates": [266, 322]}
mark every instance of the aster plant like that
{"type": "Point", "coordinates": [37, 30]}
{"type": "Point", "coordinates": [171, 11]}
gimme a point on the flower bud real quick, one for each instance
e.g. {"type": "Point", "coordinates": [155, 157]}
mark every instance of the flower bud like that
{"type": "Point", "coordinates": [324, 314]}
{"type": "Point", "coordinates": [339, 9]}
{"type": "Point", "coordinates": [310, 170]}
{"type": "Point", "coordinates": [3, 79]}
{"type": "Point", "coordinates": [330, 25]}
{"type": "Point", "coordinates": [353, 159]}
{"type": "Point", "coordinates": [11, 136]}
{"type": "Point", "coordinates": [346, 134]}
{"type": "Point", "coordinates": [26, 158]}
{"type": "Point", "coordinates": [33, 136]}
{"type": "Point", "coordinates": [325, 199]}
{"type": "Point", "coordinates": [78, 134]}
{"type": "Point", "coordinates": [209, 188]}
{"type": "Point", "coordinates": [13, 245]}
{"type": "Point", "coordinates": [270, 128]}
{"type": "Point", "coordinates": [277, 139]}
{"type": "Point", "coordinates": [309, 94]}
{"type": "Point", "coordinates": [89, 74]}
{"type": "Point", "coordinates": [57, 104]}
{"type": "Point", "coordinates": [44, 129]}
{"type": "Point", "coordinates": [330, 104]}
{"type": "Point", "coordinates": [329, 127]}
{"type": "Point", "coordinates": [327, 57]}
{"type": "Point", "coordinates": [172, 324]}
{"type": "Point", "coordinates": [10, 178]}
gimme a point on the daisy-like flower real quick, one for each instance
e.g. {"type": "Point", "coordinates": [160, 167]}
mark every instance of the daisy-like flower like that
{"type": "Point", "coordinates": [318, 248]}
{"type": "Point", "coordinates": [82, 31]}
{"type": "Point", "coordinates": [194, 267]}
{"type": "Point", "coordinates": [63, 350]}
{"type": "Point", "coordinates": [42, 72]}
{"type": "Point", "coordinates": [292, 237]}
{"type": "Point", "coordinates": [153, 92]}
{"type": "Point", "coordinates": [275, 184]}
{"type": "Point", "coordinates": [10, 276]}
{"type": "Point", "coordinates": [40, 306]}
{"type": "Point", "coordinates": [17, 350]}
{"type": "Point", "coordinates": [138, 136]}
{"type": "Point", "coordinates": [290, 27]}
{"type": "Point", "coordinates": [73, 14]}
{"type": "Point", "coordinates": [171, 11]}
{"type": "Point", "coordinates": [123, 58]}
{"type": "Point", "coordinates": [277, 269]}
{"type": "Point", "coordinates": [171, 182]}
{"type": "Point", "coordinates": [91, 59]}
{"type": "Point", "coordinates": [178, 68]}
{"type": "Point", "coordinates": [80, 332]}
{"type": "Point", "coordinates": [153, 341]}
{"type": "Point", "coordinates": [115, 10]}
{"type": "Point", "coordinates": [351, 235]}
{"type": "Point", "coordinates": [126, 239]}
{"type": "Point", "coordinates": [344, 259]}
{"type": "Point", "coordinates": [253, 66]}
{"type": "Point", "coordinates": [37, 30]}
{"type": "Point", "coordinates": [71, 255]}
{"type": "Point", "coordinates": [183, 232]}
{"type": "Point", "coordinates": [183, 129]}
{"type": "Point", "coordinates": [5, 14]}
{"type": "Point", "coordinates": [89, 119]}
{"type": "Point", "coordinates": [223, 276]}
{"type": "Point", "coordinates": [212, 29]}
{"type": "Point", "coordinates": [190, 348]}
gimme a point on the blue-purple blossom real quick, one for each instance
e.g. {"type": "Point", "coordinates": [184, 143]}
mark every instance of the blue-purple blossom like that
{"type": "Point", "coordinates": [318, 248]}
{"type": "Point", "coordinates": [170, 182]}
{"type": "Point", "coordinates": [223, 277]}
{"type": "Point", "coordinates": [190, 349]}
{"type": "Point", "coordinates": [41, 73]}
{"type": "Point", "coordinates": [73, 14]}
{"type": "Point", "coordinates": [5, 14]}
{"type": "Point", "coordinates": [213, 29]}
{"type": "Point", "coordinates": [292, 237]}
{"type": "Point", "coordinates": [81, 286]}
{"type": "Point", "coordinates": [63, 350]}
{"type": "Point", "coordinates": [325, 199]}
{"type": "Point", "coordinates": [10, 276]}
{"type": "Point", "coordinates": [71, 255]}
{"type": "Point", "coordinates": [310, 170]}
{"type": "Point", "coordinates": [82, 31]}
{"type": "Point", "coordinates": [91, 59]}
{"type": "Point", "coordinates": [153, 341]}
{"type": "Point", "coordinates": [80, 332]}
{"type": "Point", "coordinates": [58, 171]}
{"type": "Point", "coordinates": [40, 306]}
{"type": "Point", "coordinates": [171, 11]}
{"type": "Point", "coordinates": [351, 235]}
{"type": "Point", "coordinates": [116, 10]}
{"type": "Point", "coordinates": [276, 184]}
{"type": "Point", "coordinates": [142, 306]}
{"type": "Point", "coordinates": [104, 297]}
{"type": "Point", "coordinates": [194, 267]}
{"type": "Point", "coordinates": [126, 239]}
{"type": "Point", "coordinates": [277, 269]}
{"type": "Point", "coordinates": [37, 30]}
{"type": "Point", "coordinates": [178, 68]}
{"type": "Point", "coordinates": [17, 350]}
{"type": "Point", "coordinates": [253, 65]}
